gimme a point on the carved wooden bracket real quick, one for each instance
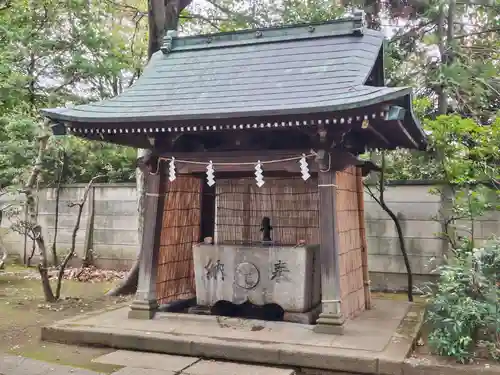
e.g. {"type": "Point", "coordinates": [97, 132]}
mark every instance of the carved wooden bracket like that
{"type": "Point", "coordinates": [148, 163]}
{"type": "Point", "coordinates": [322, 159]}
{"type": "Point", "coordinates": [336, 159]}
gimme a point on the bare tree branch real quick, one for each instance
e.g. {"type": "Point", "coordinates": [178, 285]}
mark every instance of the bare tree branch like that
{"type": "Point", "coordinates": [136, 11]}
{"type": "Point", "coordinates": [210, 21]}
{"type": "Point", "coordinates": [134, 35]}
{"type": "Point", "coordinates": [492, 30]}
{"type": "Point", "coordinates": [80, 204]}
{"type": "Point", "coordinates": [229, 12]}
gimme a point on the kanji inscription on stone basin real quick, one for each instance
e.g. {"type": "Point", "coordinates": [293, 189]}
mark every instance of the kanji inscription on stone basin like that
{"type": "Point", "coordinates": [214, 269]}
{"type": "Point", "coordinates": [279, 271]}
{"type": "Point", "coordinates": [284, 275]}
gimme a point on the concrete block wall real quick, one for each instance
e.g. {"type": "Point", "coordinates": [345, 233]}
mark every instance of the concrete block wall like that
{"type": "Point", "coordinates": [115, 239]}
{"type": "Point", "coordinates": [417, 210]}
{"type": "Point", "coordinates": [114, 236]}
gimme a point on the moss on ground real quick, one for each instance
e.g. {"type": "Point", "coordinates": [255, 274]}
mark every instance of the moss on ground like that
{"type": "Point", "coordinates": [398, 297]}
{"type": "Point", "coordinates": [23, 312]}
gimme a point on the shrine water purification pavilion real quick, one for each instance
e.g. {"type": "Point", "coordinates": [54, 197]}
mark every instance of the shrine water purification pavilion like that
{"type": "Point", "coordinates": [254, 189]}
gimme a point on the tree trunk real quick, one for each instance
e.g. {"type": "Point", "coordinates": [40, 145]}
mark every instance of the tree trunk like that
{"type": "Point", "coordinates": [402, 245]}
{"type": "Point", "coordinates": [46, 287]}
{"type": "Point", "coordinates": [88, 255]}
{"type": "Point", "coordinates": [35, 228]}
{"type": "Point", "coordinates": [129, 284]}
{"type": "Point", "coordinates": [55, 260]}
{"type": "Point", "coordinates": [157, 25]}
{"type": "Point", "coordinates": [163, 15]}
{"type": "Point", "coordinates": [3, 258]}
{"type": "Point", "coordinates": [445, 45]}
{"type": "Point", "coordinates": [25, 235]}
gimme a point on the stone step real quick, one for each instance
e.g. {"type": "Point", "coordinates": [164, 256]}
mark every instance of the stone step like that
{"type": "Point", "coordinates": [209, 367]}
{"type": "Point", "coordinates": [145, 360]}
{"type": "Point", "coordinates": [164, 364]}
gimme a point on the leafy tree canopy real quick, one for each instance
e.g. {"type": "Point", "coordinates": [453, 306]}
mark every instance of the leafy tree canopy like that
{"type": "Point", "coordinates": [54, 53]}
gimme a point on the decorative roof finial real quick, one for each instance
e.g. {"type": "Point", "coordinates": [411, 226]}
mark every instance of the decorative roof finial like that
{"type": "Point", "coordinates": [168, 39]}
{"type": "Point", "coordinates": [359, 22]}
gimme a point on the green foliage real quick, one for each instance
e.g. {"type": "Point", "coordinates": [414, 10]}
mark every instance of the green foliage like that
{"type": "Point", "coordinates": [298, 11]}
{"type": "Point", "coordinates": [469, 152]}
{"type": "Point", "coordinates": [468, 156]}
{"type": "Point", "coordinates": [53, 53]}
{"type": "Point", "coordinates": [404, 165]}
{"type": "Point", "coordinates": [461, 152]}
{"type": "Point", "coordinates": [464, 307]}
{"type": "Point", "coordinates": [464, 310]}
{"type": "Point", "coordinates": [462, 63]}
{"type": "Point", "coordinates": [17, 136]}
{"type": "Point", "coordinates": [85, 159]}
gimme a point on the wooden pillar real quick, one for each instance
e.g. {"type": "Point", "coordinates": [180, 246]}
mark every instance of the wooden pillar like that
{"type": "Point", "coordinates": [331, 319]}
{"type": "Point", "coordinates": [145, 303]}
{"type": "Point", "coordinates": [362, 233]}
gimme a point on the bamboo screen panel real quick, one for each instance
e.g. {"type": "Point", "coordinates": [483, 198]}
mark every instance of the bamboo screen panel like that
{"type": "Point", "coordinates": [291, 203]}
{"type": "Point", "coordinates": [180, 230]}
{"type": "Point", "coordinates": [350, 243]}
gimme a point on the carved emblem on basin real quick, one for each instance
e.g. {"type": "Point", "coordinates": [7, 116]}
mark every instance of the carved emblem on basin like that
{"type": "Point", "coordinates": [247, 275]}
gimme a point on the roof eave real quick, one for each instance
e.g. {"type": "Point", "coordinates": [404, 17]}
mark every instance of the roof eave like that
{"type": "Point", "coordinates": [418, 133]}
{"type": "Point", "coordinates": [60, 115]}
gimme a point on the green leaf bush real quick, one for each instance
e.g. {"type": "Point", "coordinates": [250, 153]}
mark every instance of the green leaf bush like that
{"type": "Point", "coordinates": [464, 307]}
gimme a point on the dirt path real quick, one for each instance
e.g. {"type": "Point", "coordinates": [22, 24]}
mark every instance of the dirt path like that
{"type": "Point", "coordinates": [23, 311]}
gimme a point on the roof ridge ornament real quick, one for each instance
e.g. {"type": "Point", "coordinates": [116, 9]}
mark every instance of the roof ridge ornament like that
{"type": "Point", "coordinates": [359, 21]}
{"type": "Point", "coordinates": [168, 41]}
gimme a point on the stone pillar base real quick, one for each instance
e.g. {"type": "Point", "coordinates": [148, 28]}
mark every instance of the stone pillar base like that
{"type": "Point", "coordinates": [330, 324]}
{"type": "Point", "coordinates": [143, 309]}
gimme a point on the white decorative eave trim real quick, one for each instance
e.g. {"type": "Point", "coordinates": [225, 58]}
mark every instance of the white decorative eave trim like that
{"type": "Point", "coordinates": [198, 128]}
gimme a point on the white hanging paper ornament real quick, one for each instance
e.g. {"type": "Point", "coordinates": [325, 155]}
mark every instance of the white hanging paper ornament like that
{"type": "Point", "coordinates": [258, 174]}
{"type": "Point", "coordinates": [304, 168]}
{"type": "Point", "coordinates": [210, 174]}
{"type": "Point", "coordinates": [171, 170]}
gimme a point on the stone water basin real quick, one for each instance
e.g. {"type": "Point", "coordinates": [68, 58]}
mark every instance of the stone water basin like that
{"type": "Point", "coordinates": [285, 275]}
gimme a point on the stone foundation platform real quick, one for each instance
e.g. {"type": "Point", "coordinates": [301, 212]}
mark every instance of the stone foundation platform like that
{"type": "Point", "coordinates": [376, 342]}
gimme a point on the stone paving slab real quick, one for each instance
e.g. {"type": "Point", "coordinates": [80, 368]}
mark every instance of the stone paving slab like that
{"type": "Point", "coordinates": [139, 363]}
{"type": "Point", "coordinates": [9, 363]}
{"type": "Point", "coordinates": [182, 365]}
{"type": "Point", "coordinates": [143, 371]}
{"type": "Point", "coordinates": [14, 365]}
{"type": "Point", "coordinates": [145, 360]}
{"type": "Point", "coordinates": [230, 368]}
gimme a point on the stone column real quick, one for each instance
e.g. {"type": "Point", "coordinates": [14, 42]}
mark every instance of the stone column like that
{"type": "Point", "coordinates": [145, 303]}
{"type": "Point", "coordinates": [331, 319]}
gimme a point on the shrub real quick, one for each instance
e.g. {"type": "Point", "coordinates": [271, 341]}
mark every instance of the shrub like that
{"type": "Point", "coordinates": [464, 307]}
